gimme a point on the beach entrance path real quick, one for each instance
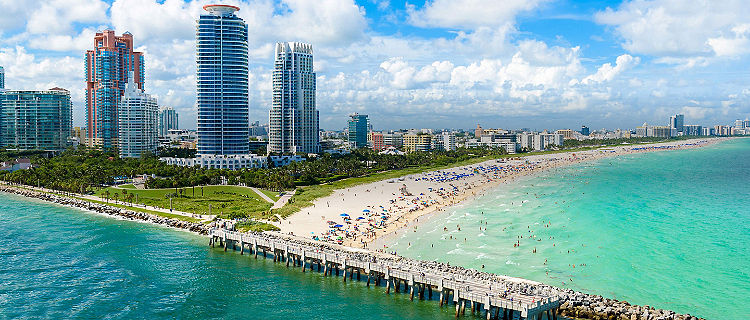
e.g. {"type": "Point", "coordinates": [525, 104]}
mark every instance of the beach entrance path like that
{"type": "Point", "coordinates": [283, 200]}
{"type": "Point", "coordinates": [263, 195]}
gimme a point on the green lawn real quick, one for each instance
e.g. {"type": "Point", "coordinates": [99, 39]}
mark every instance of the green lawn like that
{"type": "Point", "coordinates": [223, 200]}
{"type": "Point", "coordinates": [271, 194]}
{"type": "Point", "coordinates": [110, 203]}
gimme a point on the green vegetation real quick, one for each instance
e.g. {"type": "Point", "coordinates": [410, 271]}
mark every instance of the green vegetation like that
{"type": "Point", "coordinates": [225, 201]}
{"type": "Point", "coordinates": [570, 143]}
{"type": "Point", "coordinates": [92, 171]}
{"type": "Point", "coordinates": [256, 226]}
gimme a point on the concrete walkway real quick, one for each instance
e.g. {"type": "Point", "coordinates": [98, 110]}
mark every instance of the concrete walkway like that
{"type": "Point", "coordinates": [262, 195]}
{"type": "Point", "coordinates": [283, 200]}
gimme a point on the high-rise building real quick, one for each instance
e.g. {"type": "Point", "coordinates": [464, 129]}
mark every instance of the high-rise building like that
{"type": "Point", "coordinates": [138, 122]}
{"type": "Point", "coordinates": [293, 119]}
{"type": "Point", "coordinates": [585, 130]}
{"type": "Point", "coordinates": [168, 120]}
{"type": "Point", "coordinates": [677, 122]}
{"type": "Point", "coordinates": [739, 124]}
{"type": "Point", "coordinates": [692, 130]}
{"type": "Point", "coordinates": [359, 125]}
{"type": "Point", "coordinates": [107, 69]}
{"type": "Point", "coordinates": [2, 78]}
{"type": "Point", "coordinates": [449, 141]}
{"type": "Point", "coordinates": [222, 75]}
{"type": "Point", "coordinates": [36, 119]}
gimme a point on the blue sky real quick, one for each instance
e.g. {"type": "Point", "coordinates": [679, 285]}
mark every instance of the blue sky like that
{"type": "Point", "coordinates": [541, 64]}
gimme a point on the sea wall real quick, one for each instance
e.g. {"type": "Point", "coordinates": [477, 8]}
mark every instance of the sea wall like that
{"type": "Point", "coordinates": [120, 213]}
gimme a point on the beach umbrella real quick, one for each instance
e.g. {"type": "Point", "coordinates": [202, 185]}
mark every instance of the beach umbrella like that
{"type": "Point", "coordinates": [366, 210]}
{"type": "Point", "coordinates": [338, 226]}
{"type": "Point", "coordinates": [344, 215]}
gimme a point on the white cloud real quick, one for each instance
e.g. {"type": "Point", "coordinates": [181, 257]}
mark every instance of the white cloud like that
{"type": "Point", "coordinates": [58, 16]}
{"type": "Point", "coordinates": [732, 46]}
{"type": "Point", "coordinates": [469, 14]}
{"type": "Point", "coordinates": [676, 29]}
{"type": "Point", "coordinates": [607, 72]}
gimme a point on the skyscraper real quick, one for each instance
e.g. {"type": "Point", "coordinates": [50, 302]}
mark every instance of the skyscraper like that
{"type": "Point", "coordinates": [677, 122]}
{"type": "Point", "coordinates": [222, 74]}
{"type": "Point", "coordinates": [2, 78]}
{"type": "Point", "coordinates": [137, 118]}
{"type": "Point", "coordinates": [107, 70]}
{"type": "Point", "coordinates": [293, 119]}
{"type": "Point", "coordinates": [168, 120]}
{"type": "Point", "coordinates": [585, 130]}
{"type": "Point", "coordinates": [359, 127]}
{"type": "Point", "coordinates": [36, 119]}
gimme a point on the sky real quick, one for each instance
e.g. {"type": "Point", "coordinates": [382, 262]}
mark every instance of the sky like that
{"type": "Point", "coordinates": [539, 64]}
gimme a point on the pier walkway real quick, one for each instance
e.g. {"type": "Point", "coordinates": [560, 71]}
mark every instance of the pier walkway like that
{"type": "Point", "coordinates": [419, 278]}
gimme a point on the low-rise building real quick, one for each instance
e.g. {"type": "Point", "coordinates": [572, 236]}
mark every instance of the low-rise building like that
{"type": "Point", "coordinates": [417, 142]}
{"type": "Point", "coordinates": [230, 162]}
{"type": "Point", "coordinates": [505, 141]}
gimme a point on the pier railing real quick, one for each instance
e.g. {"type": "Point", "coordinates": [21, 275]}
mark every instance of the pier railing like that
{"type": "Point", "coordinates": [497, 301]}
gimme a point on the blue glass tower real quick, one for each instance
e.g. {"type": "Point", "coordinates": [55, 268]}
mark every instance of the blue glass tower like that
{"type": "Point", "coordinates": [222, 72]}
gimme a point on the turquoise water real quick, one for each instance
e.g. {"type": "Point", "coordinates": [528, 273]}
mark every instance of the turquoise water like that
{"type": "Point", "coordinates": [61, 263]}
{"type": "Point", "coordinates": [666, 229]}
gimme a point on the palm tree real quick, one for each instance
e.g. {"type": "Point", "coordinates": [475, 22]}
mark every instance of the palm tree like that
{"type": "Point", "coordinates": [106, 195]}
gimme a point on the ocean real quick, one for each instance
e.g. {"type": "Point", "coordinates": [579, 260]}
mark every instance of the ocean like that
{"type": "Point", "coordinates": [666, 229]}
{"type": "Point", "coordinates": [63, 263]}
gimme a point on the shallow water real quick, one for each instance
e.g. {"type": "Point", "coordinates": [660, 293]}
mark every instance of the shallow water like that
{"type": "Point", "coordinates": [667, 229]}
{"type": "Point", "coordinates": [60, 263]}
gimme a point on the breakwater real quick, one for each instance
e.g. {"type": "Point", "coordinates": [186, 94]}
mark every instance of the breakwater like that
{"type": "Point", "coordinates": [501, 294]}
{"type": "Point", "coordinates": [113, 211]}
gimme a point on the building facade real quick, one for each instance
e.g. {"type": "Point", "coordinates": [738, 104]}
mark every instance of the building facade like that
{"type": "Point", "coordinates": [108, 67]}
{"type": "Point", "coordinates": [2, 78]}
{"type": "Point", "coordinates": [677, 122]}
{"type": "Point", "coordinates": [168, 120]}
{"type": "Point", "coordinates": [222, 82]}
{"type": "Point", "coordinates": [40, 120]}
{"type": "Point", "coordinates": [692, 130]}
{"type": "Point", "coordinates": [230, 162]}
{"type": "Point", "coordinates": [585, 130]}
{"type": "Point", "coordinates": [138, 123]}
{"type": "Point", "coordinates": [417, 142]}
{"type": "Point", "coordinates": [359, 125]}
{"type": "Point", "coordinates": [449, 141]}
{"type": "Point", "coordinates": [293, 118]}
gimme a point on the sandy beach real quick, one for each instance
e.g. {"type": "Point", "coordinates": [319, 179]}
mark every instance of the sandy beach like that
{"type": "Point", "coordinates": [359, 215]}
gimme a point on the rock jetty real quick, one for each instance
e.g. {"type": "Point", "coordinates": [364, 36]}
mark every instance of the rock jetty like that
{"type": "Point", "coordinates": [120, 213]}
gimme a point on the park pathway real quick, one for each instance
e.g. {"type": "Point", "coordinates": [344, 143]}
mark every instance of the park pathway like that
{"type": "Point", "coordinates": [262, 195]}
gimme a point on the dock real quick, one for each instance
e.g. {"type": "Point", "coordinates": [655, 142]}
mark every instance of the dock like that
{"type": "Point", "coordinates": [492, 297]}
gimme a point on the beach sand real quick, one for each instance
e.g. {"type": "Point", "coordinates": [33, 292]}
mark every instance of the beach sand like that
{"type": "Point", "coordinates": [360, 215]}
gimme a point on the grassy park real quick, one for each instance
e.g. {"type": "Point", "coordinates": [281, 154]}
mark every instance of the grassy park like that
{"type": "Point", "coordinates": [226, 201]}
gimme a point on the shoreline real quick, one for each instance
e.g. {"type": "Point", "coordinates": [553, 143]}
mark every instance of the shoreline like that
{"type": "Point", "coordinates": [403, 201]}
{"type": "Point", "coordinates": [386, 240]}
{"type": "Point", "coordinates": [574, 304]}
{"type": "Point", "coordinates": [105, 210]}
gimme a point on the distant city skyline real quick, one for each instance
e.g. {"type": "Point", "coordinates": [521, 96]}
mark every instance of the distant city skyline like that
{"type": "Point", "coordinates": [441, 64]}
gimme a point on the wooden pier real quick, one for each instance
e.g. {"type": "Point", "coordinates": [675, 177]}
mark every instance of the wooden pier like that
{"type": "Point", "coordinates": [464, 292]}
